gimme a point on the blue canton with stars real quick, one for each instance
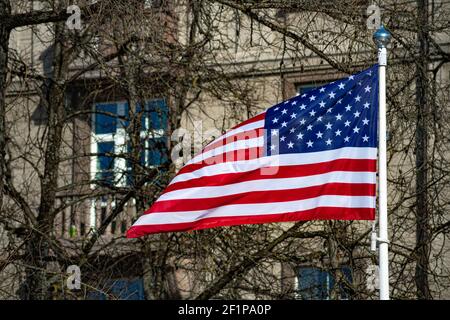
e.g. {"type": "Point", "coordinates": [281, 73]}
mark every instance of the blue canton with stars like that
{"type": "Point", "coordinates": [343, 113]}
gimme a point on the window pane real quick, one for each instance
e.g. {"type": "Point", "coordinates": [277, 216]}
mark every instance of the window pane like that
{"type": "Point", "coordinates": [349, 278]}
{"type": "Point", "coordinates": [158, 112]}
{"type": "Point", "coordinates": [310, 283]}
{"type": "Point", "coordinates": [157, 151]}
{"type": "Point", "coordinates": [155, 112]}
{"type": "Point", "coordinates": [123, 289]}
{"type": "Point", "coordinates": [301, 89]}
{"type": "Point", "coordinates": [141, 154]}
{"type": "Point", "coordinates": [105, 164]}
{"type": "Point", "coordinates": [317, 284]}
{"type": "Point", "coordinates": [105, 123]}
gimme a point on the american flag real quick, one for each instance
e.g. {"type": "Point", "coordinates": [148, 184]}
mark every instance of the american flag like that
{"type": "Point", "coordinates": [312, 157]}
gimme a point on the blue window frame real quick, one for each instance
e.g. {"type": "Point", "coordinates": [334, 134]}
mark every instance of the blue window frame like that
{"type": "Point", "coordinates": [317, 284]}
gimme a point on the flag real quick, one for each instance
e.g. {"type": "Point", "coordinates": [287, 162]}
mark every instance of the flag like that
{"type": "Point", "coordinates": [312, 157]}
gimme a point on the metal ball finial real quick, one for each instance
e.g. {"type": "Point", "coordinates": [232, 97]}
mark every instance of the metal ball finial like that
{"type": "Point", "coordinates": [382, 37]}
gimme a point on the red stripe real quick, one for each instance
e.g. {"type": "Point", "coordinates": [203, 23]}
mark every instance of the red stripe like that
{"type": "Point", "coordinates": [321, 213]}
{"type": "Point", "coordinates": [340, 189]}
{"type": "Point", "coordinates": [235, 155]}
{"type": "Point", "coordinates": [245, 135]}
{"type": "Point", "coordinates": [259, 117]}
{"type": "Point", "coordinates": [357, 165]}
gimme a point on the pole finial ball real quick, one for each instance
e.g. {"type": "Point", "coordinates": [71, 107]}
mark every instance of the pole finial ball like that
{"type": "Point", "coordinates": [382, 37]}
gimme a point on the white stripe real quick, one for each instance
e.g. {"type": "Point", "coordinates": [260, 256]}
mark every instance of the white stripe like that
{"type": "Point", "coordinates": [236, 210]}
{"type": "Point", "coordinates": [270, 184]}
{"type": "Point", "coordinates": [250, 126]}
{"type": "Point", "coordinates": [234, 145]}
{"type": "Point", "coordinates": [278, 160]}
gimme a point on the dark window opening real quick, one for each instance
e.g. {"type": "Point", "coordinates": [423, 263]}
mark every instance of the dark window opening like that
{"type": "Point", "coordinates": [318, 284]}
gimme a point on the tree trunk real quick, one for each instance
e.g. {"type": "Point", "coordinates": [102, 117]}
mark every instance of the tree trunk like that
{"type": "Point", "coordinates": [5, 9]}
{"type": "Point", "coordinates": [38, 245]}
{"type": "Point", "coordinates": [423, 236]}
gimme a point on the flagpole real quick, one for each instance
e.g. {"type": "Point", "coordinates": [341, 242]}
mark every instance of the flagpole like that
{"type": "Point", "coordinates": [381, 38]}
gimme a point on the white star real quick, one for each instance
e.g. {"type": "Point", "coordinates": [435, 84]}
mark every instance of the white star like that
{"type": "Point", "coordinates": [365, 138]}
{"type": "Point", "coordinates": [322, 89]}
{"type": "Point", "coordinates": [303, 95]}
{"type": "Point", "coordinates": [348, 107]}
{"type": "Point", "coordinates": [293, 115]}
{"type": "Point", "coordinates": [338, 116]}
{"type": "Point", "coordinates": [351, 77]}
{"type": "Point", "coordinates": [276, 109]}
{"type": "Point", "coordinates": [310, 144]}
{"type": "Point", "coordinates": [366, 105]}
{"type": "Point", "coordinates": [331, 95]}
{"type": "Point", "coordinates": [284, 124]}
{"type": "Point", "coordinates": [282, 138]}
{"type": "Point", "coordinates": [322, 104]}
{"type": "Point", "coordinates": [287, 101]}
{"type": "Point", "coordinates": [367, 89]}
{"type": "Point", "coordinates": [284, 111]}
{"type": "Point", "coordinates": [294, 103]}
{"type": "Point", "coordinates": [365, 121]}
{"type": "Point", "coordinates": [341, 85]}
{"type": "Point", "coordinates": [319, 135]}
{"type": "Point", "coordinates": [347, 139]}
{"type": "Point", "coordinates": [275, 120]}
{"type": "Point", "coordinates": [329, 110]}
{"type": "Point", "coordinates": [309, 128]}
{"type": "Point", "coordinates": [339, 101]}
{"type": "Point", "coordinates": [302, 107]}
{"type": "Point", "coordinates": [303, 121]}
{"type": "Point", "coordinates": [274, 132]}
{"type": "Point", "coordinates": [356, 130]}
{"type": "Point", "coordinates": [312, 113]}
{"type": "Point", "coordinates": [328, 142]}
{"type": "Point", "coordinates": [272, 147]}
{"type": "Point", "coordinates": [370, 72]}
{"type": "Point", "coordinates": [319, 119]}
{"type": "Point", "coordinates": [349, 92]}
{"type": "Point", "coordinates": [347, 123]}
{"type": "Point", "coordinates": [358, 98]}
{"type": "Point", "coordinates": [357, 113]}
{"type": "Point", "coordinates": [359, 83]}
{"type": "Point", "coordinates": [300, 136]}
{"type": "Point", "coordinates": [338, 132]}
{"type": "Point", "coordinates": [328, 126]}
{"type": "Point", "coordinates": [292, 130]}
{"type": "Point", "coordinates": [290, 145]}
{"type": "Point", "coordinates": [312, 98]}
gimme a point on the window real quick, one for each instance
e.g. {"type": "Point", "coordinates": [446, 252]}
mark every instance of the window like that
{"type": "Point", "coordinates": [317, 284]}
{"type": "Point", "coordinates": [111, 164]}
{"type": "Point", "coordinates": [123, 289]}
{"type": "Point", "coordinates": [301, 89]}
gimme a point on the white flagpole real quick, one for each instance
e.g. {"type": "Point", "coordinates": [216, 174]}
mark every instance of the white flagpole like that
{"type": "Point", "coordinates": [381, 38]}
